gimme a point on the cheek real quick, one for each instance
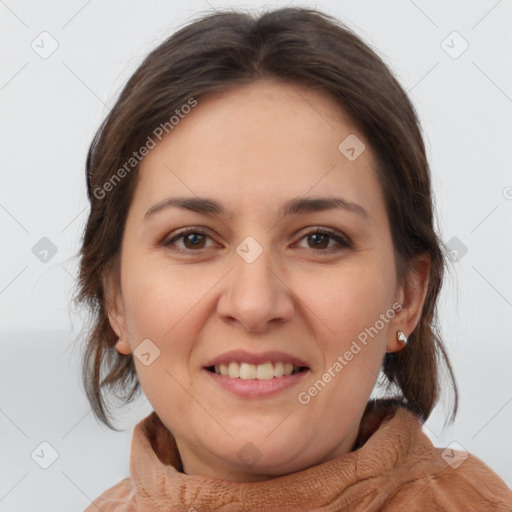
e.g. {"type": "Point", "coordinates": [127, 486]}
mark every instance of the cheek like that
{"type": "Point", "coordinates": [351, 299]}
{"type": "Point", "coordinates": [159, 295]}
{"type": "Point", "coordinates": [166, 304]}
{"type": "Point", "coordinates": [160, 300]}
{"type": "Point", "coordinates": [346, 309]}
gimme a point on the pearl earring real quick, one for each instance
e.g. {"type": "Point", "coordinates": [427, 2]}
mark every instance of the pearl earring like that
{"type": "Point", "coordinates": [401, 337]}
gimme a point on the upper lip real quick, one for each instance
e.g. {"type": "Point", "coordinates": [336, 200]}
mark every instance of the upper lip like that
{"type": "Point", "coordinates": [241, 356]}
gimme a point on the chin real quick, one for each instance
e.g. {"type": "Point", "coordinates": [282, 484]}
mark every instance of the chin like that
{"type": "Point", "coordinates": [258, 456]}
{"type": "Point", "coordinates": [275, 467]}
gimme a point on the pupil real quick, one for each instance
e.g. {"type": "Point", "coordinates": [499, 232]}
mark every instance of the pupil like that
{"type": "Point", "coordinates": [316, 238]}
{"type": "Point", "coordinates": [193, 238]}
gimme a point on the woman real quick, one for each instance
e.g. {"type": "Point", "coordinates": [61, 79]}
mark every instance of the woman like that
{"type": "Point", "coordinates": [260, 246]}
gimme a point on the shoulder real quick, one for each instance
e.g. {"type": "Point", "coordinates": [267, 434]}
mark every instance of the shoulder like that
{"type": "Point", "coordinates": [453, 481]}
{"type": "Point", "coordinates": [473, 478]}
{"type": "Point", "coordinates": [416, 475]}
{"type": "Point", "coordinates": [119, 498]}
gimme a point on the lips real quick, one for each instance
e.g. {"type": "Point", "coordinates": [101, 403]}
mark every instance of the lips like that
{"type": "Point", "coordinates": [255, 382]}
{"type": "Point", "coordinates": [242, 356]}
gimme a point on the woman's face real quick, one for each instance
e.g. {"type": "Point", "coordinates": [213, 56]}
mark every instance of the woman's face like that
{"type": "Point", "coordinates": [252, 283]}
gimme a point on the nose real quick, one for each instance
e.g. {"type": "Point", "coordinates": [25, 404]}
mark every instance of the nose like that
{"type": "Point", "coordinates": [256, 293]}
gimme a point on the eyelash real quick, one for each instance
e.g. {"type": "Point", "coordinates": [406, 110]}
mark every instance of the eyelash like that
{"type": "Point", "coordinates": [342, 240]}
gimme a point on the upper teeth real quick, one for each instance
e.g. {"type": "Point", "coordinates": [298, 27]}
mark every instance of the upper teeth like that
{"type": "Point", "coordinates": [263, 371]}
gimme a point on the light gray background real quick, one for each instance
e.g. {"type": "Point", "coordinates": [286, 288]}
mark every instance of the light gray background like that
{"type": "Point", "coordinates": [50, 109]}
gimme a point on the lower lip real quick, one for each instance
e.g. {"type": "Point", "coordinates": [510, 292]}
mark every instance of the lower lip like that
{"type": "Point", "coordinates": [254, 387]}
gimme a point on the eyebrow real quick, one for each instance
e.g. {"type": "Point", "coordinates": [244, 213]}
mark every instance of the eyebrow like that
{"type": "Point", "coordinates": [298, 205]}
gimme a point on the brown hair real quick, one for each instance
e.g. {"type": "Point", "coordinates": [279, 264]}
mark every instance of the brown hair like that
{"type": "Point", "coordinates": [230, 48]}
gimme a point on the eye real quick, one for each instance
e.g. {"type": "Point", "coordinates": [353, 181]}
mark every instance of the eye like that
{"type": "Point", "coordinates": [320, 238]}
{"type": "Point", "coordinates": [193, 238]}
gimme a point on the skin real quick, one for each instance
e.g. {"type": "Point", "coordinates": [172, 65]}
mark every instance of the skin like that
{"type": "Point", "coordinates": [252, 148]}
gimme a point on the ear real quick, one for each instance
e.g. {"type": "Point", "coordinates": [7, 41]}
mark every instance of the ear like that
{"type": "Point", "coordinates": [115, 310]}
{"type": "Point", "coordinates": [411, 294]}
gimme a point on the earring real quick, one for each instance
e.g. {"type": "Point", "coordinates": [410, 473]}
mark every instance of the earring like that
{"type": "Point", "coordinates": [401, 337]}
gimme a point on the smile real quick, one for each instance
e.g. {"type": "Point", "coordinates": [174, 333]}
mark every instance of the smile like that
{"type": "Point", "coordinates": [248, 371]}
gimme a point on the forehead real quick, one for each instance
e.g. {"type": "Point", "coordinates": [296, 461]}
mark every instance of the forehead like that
{"type": "Point", "coordinates": [266, 141]}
